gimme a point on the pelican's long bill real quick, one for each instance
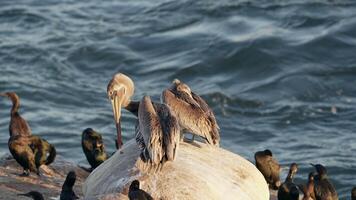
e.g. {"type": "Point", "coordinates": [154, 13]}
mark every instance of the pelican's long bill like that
{"type": "Point", "coordinates": [116, 99]}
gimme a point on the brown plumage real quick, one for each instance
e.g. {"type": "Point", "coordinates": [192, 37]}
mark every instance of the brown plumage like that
{"type": "Point", "coordinates": [269, 167]}
{"type": "Point", "coordinates": [323, 188]}
{"type": "Point", "coordinates": [193, 113]}
{"type": "Point", "coordinates": [289, 190]}
{"type": "Point", "coordinates": [18, 125]}
{"type": "Point", "coordinates": [28, 150]}
{"type": "Point", "coordinates": [308, 190]}
{"type": "Point", "coordinates": [157, 132]}
{"type": "Point", "coordinates": [93, 147]}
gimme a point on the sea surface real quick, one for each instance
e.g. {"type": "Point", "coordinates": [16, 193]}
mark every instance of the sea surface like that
{"type": "Point", "coordinates": [278, 74]}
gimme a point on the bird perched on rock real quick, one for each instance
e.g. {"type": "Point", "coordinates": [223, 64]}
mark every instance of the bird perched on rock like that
{"type": "Point", "coordinates": [193, 113]}
{"type": "Point", "coordinates": [29, 151]}
{"type": "Point", "coordinates": [308, 190]}
{"type": "Point", "coordinates": [353, 193]}
{"type": "Point", "coordinates": [157, 130]}
{"type": "Point", "coordinates": [67, 188]}
{"type": "Point", "coordinates": [289, 190]}
{"type": "Point", "coordinates": [135, 193]}
{"type": "Point", "coordinates": [93, 147]}
{"type": "Point", "coordinates": [269, 167]}
{"type": "Point", "coordinates": [323, 188]}
{"type": "Point", "coordinates": [34, 195]}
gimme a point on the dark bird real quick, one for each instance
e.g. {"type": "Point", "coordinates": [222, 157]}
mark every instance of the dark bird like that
{"type": "Point", "coordinates": [192, 112]}
{"type": "Point", "coordinates": [34, 194]}
{"type": "Point", "coordinates": [269, 168]}
{"type": "Point", "coordinates": [30, 151]}
{"type": "Point", "coordinates": [93, 147]}
{"type": "Point", "coordinates": [308, 190]}
{"type": "Point", "coordinates": [353, 193]}
{"type": "Point", "coordinates": [157, 130]}
{"type": "Point", "coordinates": [135, 193]}
{"type": "Point", "coordinates": [67, 188]}
{"type": "Point", "coordinates": [18, 125]}
{"type": "Point", "coordinates": [289, 190]}
{"type": "Point", "coordinates": [323, 188]}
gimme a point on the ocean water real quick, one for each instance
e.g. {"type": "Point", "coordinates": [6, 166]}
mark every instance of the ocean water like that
{"type": "Point", "coordinates": [278, 74]}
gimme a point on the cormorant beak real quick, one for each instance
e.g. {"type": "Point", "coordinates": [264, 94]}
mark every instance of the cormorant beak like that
{"type": "Point", "coordinates": [312, 164]}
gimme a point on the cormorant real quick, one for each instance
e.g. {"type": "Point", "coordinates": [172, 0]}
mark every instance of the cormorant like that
{"type": "Point", "coordinates": [33, 194]}
{"type": "Point", "coordinates": [30, 151]}
{"type": "Point", "coordinates": [67, 188]}
{"type": "Point", "coordinates": [93, 147]}
{"type": "Point", "coordinates": [289, 190]}
{"type": "Point", "coordinates": [323, 188]}
{"type": "Point", "coordinates": [269, 168]}
{"type": "Point", "coordinates": [135, 193]}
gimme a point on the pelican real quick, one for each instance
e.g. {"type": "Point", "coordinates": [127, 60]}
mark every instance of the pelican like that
{"type": "Point", "coordinates": [193, 113]}
{"type": "Point", "coordinates": [157, 130]}
{"type": "Point", "coordinates": [308, 189]}
{"type": "Point", "coordinates": [30, 151]}
{"type": "Point", "coordinates": [120, 89]}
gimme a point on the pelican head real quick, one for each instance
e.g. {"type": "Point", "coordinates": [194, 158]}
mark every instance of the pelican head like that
{"type": "Point", "coordinates": [120, 90]}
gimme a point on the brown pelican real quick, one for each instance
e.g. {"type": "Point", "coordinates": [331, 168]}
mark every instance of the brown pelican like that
{"type": "Point", "coordinates": [193, 113]}
{"type": "Point", "coordinates": [157, 132]}
{"type": "Point", "coordinates": [120, 89]}
{"type": "Point", "coordinates": [30, 151]}
{"type": "Point", "coordinates": [18, 125]}
{"type": "Point", "coordinates": [269, 167]}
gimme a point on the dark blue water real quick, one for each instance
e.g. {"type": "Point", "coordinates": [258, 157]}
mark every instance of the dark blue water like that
{"type": "Point", "coordinates": [278, 75]}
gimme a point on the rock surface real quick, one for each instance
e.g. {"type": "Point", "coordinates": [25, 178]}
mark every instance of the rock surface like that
{"type": "Point", "coordinates": [199, 172]}
{"type": "Point", "coordinates": [49, 184]}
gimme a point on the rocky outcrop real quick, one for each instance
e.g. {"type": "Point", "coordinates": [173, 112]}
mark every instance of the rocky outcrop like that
{"type": "Point", "coordinates": [199, 172]}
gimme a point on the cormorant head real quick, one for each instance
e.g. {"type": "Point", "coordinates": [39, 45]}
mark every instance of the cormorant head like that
{"type": "Point", "coordinates": [120, 90]}
{"type": "Point", "coordinates": [320, 169]}
{"type": "Point", "coordinates": [70, 180]}
{"type": "Point", "coordinates": [12, 96]}
{"type": "Point", "coordinates": [293, 168]}
{"type": "Point", "coordinates": [268, 152]}
{"type": "Point", "coordinates": [135, 185]}
{"type": "Point", "coordinates": [34, 194]}
{"type": "Point", "coordinates": [311, 176]}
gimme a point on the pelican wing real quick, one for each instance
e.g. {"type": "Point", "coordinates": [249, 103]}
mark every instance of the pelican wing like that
{"type": "Point", "coordinates": [150, 128]}
{"type": "Point", "coordinates": [193, 118]}
{"type": "Point", "coordinates": [170, 130]}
